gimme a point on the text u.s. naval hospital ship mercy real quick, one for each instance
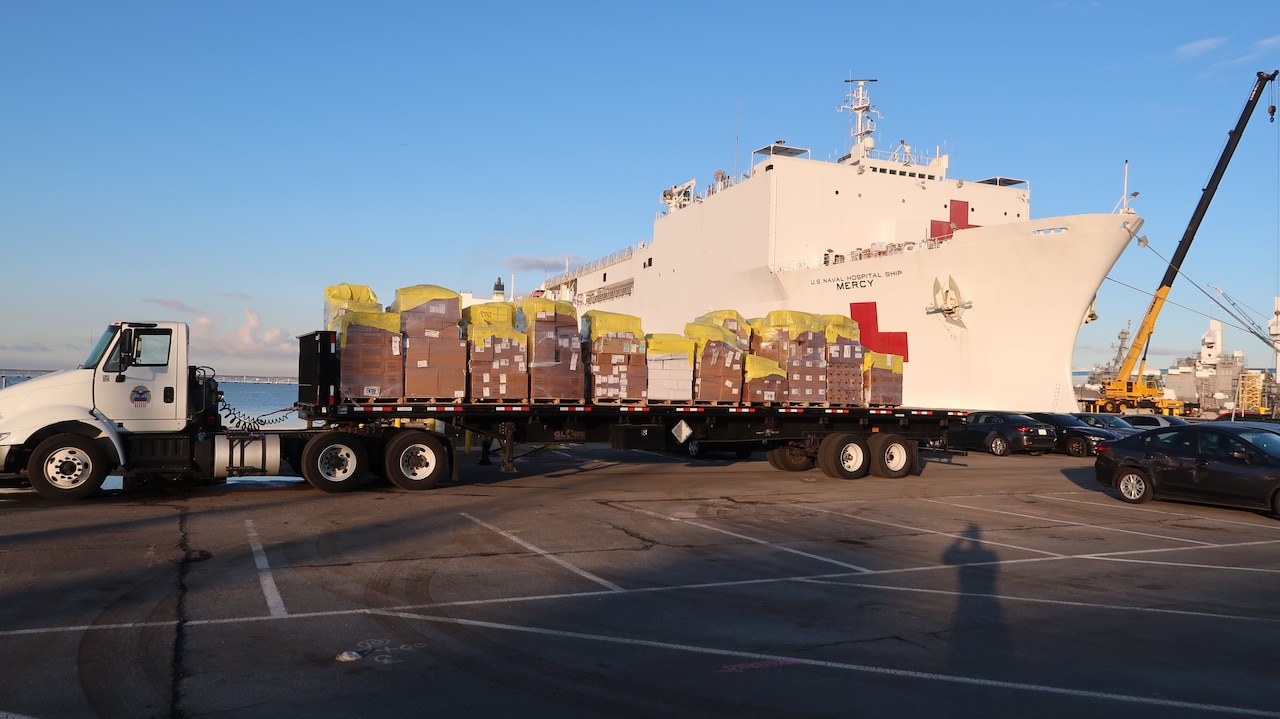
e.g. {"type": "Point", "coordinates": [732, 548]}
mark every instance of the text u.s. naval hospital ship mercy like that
{"type": "Point", "coordinates": [982, 302]}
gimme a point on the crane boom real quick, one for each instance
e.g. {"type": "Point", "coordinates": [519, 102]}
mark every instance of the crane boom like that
{"type": "Point", "coordinates": [1122, 388]}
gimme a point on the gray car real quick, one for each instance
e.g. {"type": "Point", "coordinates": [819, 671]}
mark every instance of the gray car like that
{"type": "Point", "coordinates": [1109, 422]}
{"type": "Point", "coordinates": [1151, 421]}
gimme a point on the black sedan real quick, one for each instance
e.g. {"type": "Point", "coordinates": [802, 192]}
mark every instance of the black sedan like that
{"type": "Point", "coordinates": [1236, 464]}
{"type": "Point", "coordinates": [1075, 437]}
{"type": "Point", "coordinates": [1001, 433]}
{"type": "Point", "coordinates": [1109, 422]}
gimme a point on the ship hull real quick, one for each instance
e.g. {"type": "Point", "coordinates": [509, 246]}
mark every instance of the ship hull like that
{"type": "Point", "coordinates": [985, 320]}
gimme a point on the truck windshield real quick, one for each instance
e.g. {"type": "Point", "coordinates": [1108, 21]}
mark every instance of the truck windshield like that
{"type": "Point", "coordinates": [95, 355]}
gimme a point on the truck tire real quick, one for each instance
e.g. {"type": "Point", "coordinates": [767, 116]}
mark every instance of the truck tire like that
{"type": "Point", "coordinates": [844, 456]}
{"type": "Point", "coordinates": [67, 466]}
{"type": "Point", "coordinates": [335, 462]}
{"type": "Point", "coordinates": [891, 455]}
{"type": "Point", "coordinates": [416, 459]}
{"type": "Point", "coordinates": [789, 458]}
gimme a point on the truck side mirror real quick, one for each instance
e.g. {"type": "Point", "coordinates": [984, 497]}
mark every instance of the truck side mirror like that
{"type": "Point", "coordinates": [127, 349]}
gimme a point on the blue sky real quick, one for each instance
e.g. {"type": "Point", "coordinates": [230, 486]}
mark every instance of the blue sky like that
{"type": "Point", "coordinates": [222, 163]}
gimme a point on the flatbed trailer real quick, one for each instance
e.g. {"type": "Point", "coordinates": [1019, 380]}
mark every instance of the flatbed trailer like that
{"type": "Point", "coordinates": [844, 442]}
{"type": "Point", "coordinates": [138, 409]}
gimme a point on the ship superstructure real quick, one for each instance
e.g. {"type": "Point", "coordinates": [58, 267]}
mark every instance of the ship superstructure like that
{"type": "Point", "coordinates": [982, 302]}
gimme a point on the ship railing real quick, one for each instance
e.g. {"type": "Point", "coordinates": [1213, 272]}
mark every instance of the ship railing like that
{"type": "Point", "coordinates": [603, 262]}
{"type": "Point", "coordinates": [876, 249]}
{"type": "Point", "coordinates": [603, 295]}
{"type": "Point", "coordinates": [903, 154]}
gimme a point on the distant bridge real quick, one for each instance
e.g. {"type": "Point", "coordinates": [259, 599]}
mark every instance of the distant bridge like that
{"type": "Point", "coordinates": [9, 376]}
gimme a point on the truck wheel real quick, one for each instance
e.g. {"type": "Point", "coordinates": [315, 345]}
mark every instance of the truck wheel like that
{"type": "Point", "coordinates": [416, 460]}
{"type": "Point", "coordinates": [67, 466]}
{"type": "Point", "coordinates": [844, 456]}
{"type": "Point", "coordinates": [334, 462]}
{"type": "Point", "coordinates": [891, 455]}
{"type": "Point", "coordinates": [789, 458]}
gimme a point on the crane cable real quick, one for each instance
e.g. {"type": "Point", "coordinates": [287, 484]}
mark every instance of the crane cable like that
{"type": "Point", "coordinates": [1239, 314]}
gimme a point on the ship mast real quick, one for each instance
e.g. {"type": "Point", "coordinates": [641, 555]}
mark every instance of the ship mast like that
{"type": "Point", "coordinates": [861, 123]}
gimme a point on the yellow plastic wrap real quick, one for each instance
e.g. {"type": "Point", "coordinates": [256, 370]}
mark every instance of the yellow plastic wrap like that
{"type": "Point", "coordinates": [539, 307]}
{"type": "Point", "coordinates": [728, 319]}
{"type": "Point", "coordinates": [879, 360]}
{"type": "Point", "coordinates": [492, 314]}
{"type": "Point", "coordinates": [841, 326]}
{"type": "Point", "coordinates": [757, 367]}
{"type": "Point", "coordinates": [671, 344]}
{"type": "Point", "coordinates": [478, 333]}
{"type": "Point", "coordinates": [344, 298]}
{"type": "Point", "coordinates": [408, 298]}
{"type": "Point", "coordinates": [603, 324]}
{"type": "Point", "coordinates": [702, 333]}
{"type": "Point", "coordinates": [389, 321]}
{"type": "Point", "coordinates": [795, 321]}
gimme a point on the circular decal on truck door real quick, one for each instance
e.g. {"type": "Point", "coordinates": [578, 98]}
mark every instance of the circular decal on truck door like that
{"type": "Point", "coordinates": [140, 397]}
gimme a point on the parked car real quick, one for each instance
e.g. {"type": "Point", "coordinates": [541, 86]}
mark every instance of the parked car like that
{"type": "Point", "coordinates": [1245, 417]}
{"type": "Point", "coordinates": [1235, 464]}
{"type": "Point", "coordinates": [1001, 433]}
{"type": "Point", "coordinates": [1149, 421]}
{"type": "Point", "coordinates": [1075, 436]}
{"type": "Point", "coordinates": [1107, 421]}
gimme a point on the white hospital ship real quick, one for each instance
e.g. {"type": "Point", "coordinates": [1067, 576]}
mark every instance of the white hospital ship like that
{"type": "Point", "coordinates": [982, 302]}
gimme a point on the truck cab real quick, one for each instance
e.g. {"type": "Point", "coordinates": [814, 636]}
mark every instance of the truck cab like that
{"type": "Point", "coordinates": [65, 431]}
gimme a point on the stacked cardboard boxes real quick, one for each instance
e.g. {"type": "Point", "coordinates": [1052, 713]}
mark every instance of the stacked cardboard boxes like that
{"type": "Point", "coordinates": [718, 373]}
{"type": "Point", "coordinates": [435, 355]}
{"type": "Point", "coordinates": [499, 355]}
{"type": "Point", "coordinates": [555, 349]}
{"type": "Point", "coordinates": [618, 370]}
{"type": "Point", "coordinates": [499, 365]}
{"type": "Point", "coordinates": [670, 359]}
{"type": "Point", "coordinates": [844, 362]}
{"type": "Point", "coordinates": [797, 341]}
{"type": "Point", "coordinates": [882, 379]}
{"type": "Point", "coordinates": [370, 356]}
{"type": "Point", "coordinates": [766, 381]}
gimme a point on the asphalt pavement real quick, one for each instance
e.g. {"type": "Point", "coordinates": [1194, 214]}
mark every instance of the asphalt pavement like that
{"type": "Point", "coordinates": [597, 583]}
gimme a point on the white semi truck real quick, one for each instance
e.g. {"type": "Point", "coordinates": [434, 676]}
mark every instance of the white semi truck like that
{"type": "Point", "coordinates": [137, 408]}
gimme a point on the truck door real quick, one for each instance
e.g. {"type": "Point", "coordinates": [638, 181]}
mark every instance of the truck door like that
{"type": "Point", "coordinates": [143, 393]}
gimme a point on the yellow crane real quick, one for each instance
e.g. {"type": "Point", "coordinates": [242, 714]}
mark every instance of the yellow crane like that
{"type": "Point", "coordinates": [1126, 391]}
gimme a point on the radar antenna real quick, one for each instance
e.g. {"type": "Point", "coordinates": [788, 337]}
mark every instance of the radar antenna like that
{"type": "Point", "coordinates": [861, 123]}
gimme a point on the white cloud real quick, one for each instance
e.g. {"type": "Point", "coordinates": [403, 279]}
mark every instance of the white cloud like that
{"type": "Point", "coordinates": [1199, 47]}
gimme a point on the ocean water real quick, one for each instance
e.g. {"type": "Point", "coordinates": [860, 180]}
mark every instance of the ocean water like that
{"type": "Point", "coordinates": [268, 405]}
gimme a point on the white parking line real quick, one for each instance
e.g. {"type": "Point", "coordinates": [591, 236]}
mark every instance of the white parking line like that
{"type": "Point", "coordinates": [845, 666]}
{"type": "Point", "coordinates": [1065, 521]}
{"type": "Point", "coordinates": [743, 537]}
{"type": "Point", "coordinates": [1272, 525]}
{"type": "Point", "coordinates": [547, 555]}
{"type": "Point", "coordinates": [274, 601]}
{"type": "Point", "coordinates": [935, 532]}
{"type": "Point", "coordinates": [1038, 600]}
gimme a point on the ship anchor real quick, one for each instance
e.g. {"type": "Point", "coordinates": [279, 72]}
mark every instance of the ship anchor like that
{"type": "Point", "coordinates": [948, 302]}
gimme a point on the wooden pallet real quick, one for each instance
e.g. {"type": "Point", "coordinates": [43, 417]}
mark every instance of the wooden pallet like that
{"type": "Point", "coordinates": [617, 401]}
{"type": "Point", "coordinates": [435, 400]}
{"type": "Point", "coordinates": [557, 400]}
